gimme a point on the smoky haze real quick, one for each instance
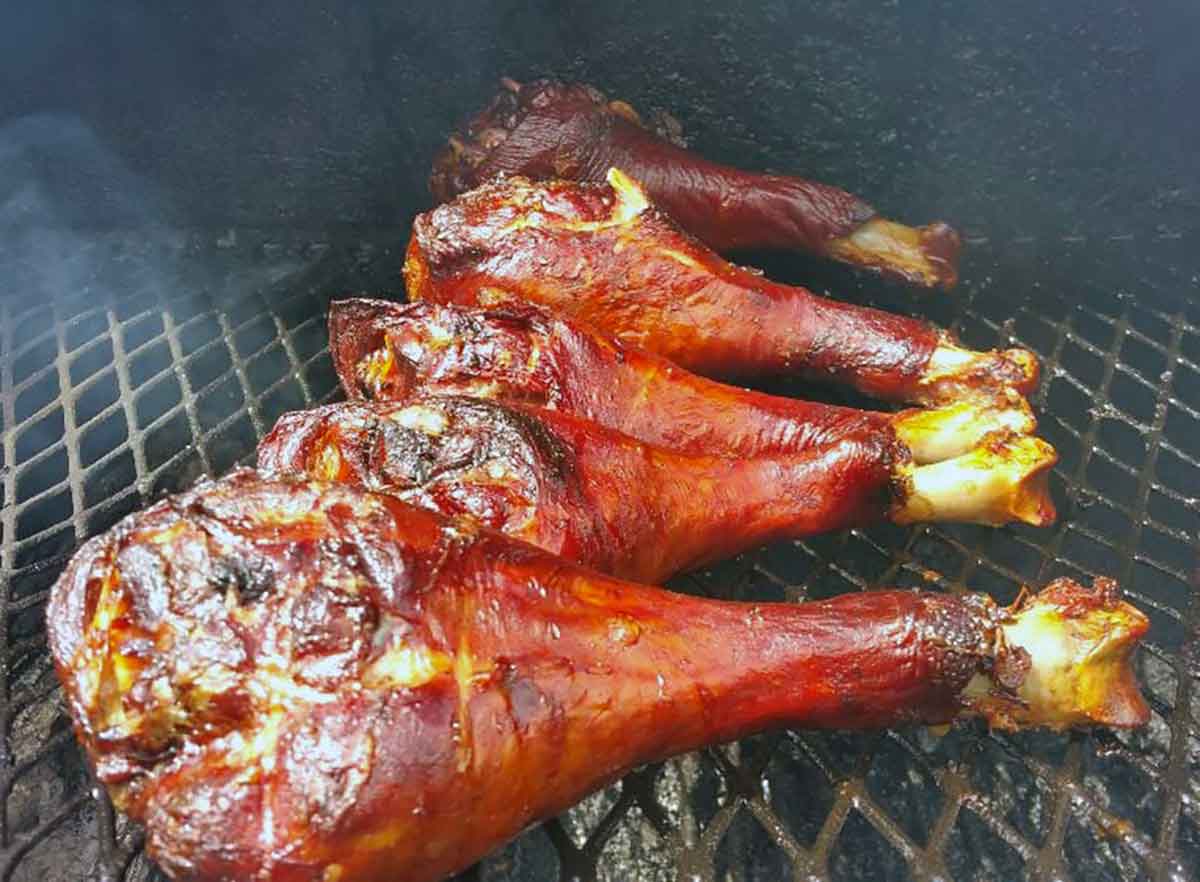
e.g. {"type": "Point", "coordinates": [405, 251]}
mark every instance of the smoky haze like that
{"type": "Point", "coordinates": [78, 232]}
{"type": "Point", "coordinates": [96, 272]}
{"type": "Point", "coordinates": [61, 192]}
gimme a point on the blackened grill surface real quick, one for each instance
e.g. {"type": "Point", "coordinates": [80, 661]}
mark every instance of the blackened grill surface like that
{"type": "Point", "coordinates": [109, 402]}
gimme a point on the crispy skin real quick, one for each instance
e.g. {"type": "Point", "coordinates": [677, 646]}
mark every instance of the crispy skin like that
{"type": "Point", "coordinates": [575, 488]}
{"type": "Point", "coordinates": [601, 255]}
{"type": "Point", "coordinates": [522, 353]}
{"type": "Point", "coordinates": [546, 129]}
{"type": "Point", "coordinates": [291, 681]}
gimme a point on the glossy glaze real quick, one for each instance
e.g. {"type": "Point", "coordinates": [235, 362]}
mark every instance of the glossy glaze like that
{"type": "Point", "coordinates": [603, 255]}
{"type": "Point", "coordinates": [590, 494]}
{"type": "Point", "coordinates": [291, 681]}
{"type": "Point", "coordinates": [523, 353]}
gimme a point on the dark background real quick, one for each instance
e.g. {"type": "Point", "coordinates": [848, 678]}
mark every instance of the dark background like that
{"type": "Point", "coordinates": [1008, 119]}
{"type": "Point", "coordinates": [195, 181]}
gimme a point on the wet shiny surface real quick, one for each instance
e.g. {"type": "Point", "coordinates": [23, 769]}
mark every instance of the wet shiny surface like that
{"type": "Point", "coordinates": [589, 493]}
{"type": "Point", "coordinates": [344, 686]}
{"type": "Point", "coordinates": [519, 352]}
{"type": "Point", "coordinates": [598, 253]}
{"type": "Point", "coordinates": [944, 797]}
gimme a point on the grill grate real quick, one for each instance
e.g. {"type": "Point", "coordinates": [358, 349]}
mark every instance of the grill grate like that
{"type": "Point", "coordinates": [111, 399]}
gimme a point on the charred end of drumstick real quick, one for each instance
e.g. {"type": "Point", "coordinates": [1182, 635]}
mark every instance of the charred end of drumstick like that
{"type": "Point", "coordinates": [1063, 658]}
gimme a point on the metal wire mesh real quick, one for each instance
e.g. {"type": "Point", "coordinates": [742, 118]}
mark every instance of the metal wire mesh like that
{"type": "Point", "coordinates": [108, 400]}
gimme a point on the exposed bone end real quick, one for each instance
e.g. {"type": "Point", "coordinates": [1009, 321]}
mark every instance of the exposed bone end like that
{"type": "Point", "coordinates": [921, 255]}
{"type": "Point", "coordinates": [1005, 479]}
{"type": "Point", "coordinates": [1064, 659]}
{"type": "Point", "coordinates": [957, 374]}
{"type": "Point", "coordinates": [946, 432]}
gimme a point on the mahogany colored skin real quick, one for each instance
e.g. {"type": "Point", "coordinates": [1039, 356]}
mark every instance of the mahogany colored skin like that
{"type": "Point", "coordinates": [302, 763]}
{"type": "Point", "coordinates": [646, 282]}
{"type": "Point", "coordinates": [545, 129]}
{"type": "Point", "coordinates": [523, 353]}
{"type": "Point", "coordinates": [580, 490]}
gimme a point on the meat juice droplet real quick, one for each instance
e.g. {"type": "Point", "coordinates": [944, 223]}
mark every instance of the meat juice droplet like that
{"type": "Point", "coordinates": [662, 686]}
{"type": "Point", "coordinates": [554, 631]}
{"type": "Point", "coordinates": [625, 631]}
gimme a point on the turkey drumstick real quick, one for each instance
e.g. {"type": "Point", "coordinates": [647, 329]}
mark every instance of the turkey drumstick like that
{"type": "Point", "coordinates": [631, 509]}
{"type": "Point", "coordinates": [292, 681]}
{"type": "Point", "coordinates": [389, 351]}
{"type": "Point", "coordinates": [601, 253]}
{"type": "Point", "coordinates": [546, 130]}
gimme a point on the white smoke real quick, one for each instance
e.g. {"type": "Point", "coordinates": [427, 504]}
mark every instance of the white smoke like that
{"type": "Point", "coordinates": [88, 246]}
{"type": "Point", "coordinates": [85, 243]}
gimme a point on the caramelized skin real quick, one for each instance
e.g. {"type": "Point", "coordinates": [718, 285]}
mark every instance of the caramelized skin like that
{"type": "Point", "coordinates": [582, 491]}
{"type": "Point", "coordinates": [545, 130]}
{"type": "Point", "coordinates": [601, 254]}
{"type": "Point", "coordinates": [521, 353]}
{"type": "Point", "coordinates": [291, 681]}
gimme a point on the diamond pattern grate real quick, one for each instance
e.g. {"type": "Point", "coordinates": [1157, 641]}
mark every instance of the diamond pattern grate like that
{"type": "Point", "coordinates": [175, 355]}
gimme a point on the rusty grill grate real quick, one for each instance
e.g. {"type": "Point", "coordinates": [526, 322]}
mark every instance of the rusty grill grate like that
{"type": "Point", "coordinates": [110, 400]}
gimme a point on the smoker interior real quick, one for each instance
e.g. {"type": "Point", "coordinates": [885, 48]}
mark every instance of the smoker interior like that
{"type": "Point", "coordinates": [182, 193]}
